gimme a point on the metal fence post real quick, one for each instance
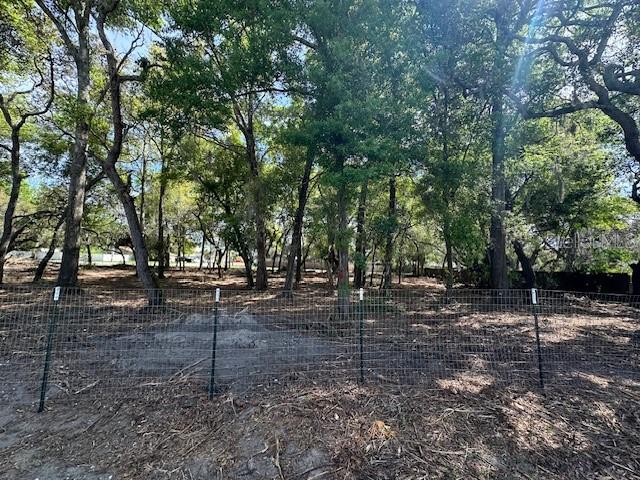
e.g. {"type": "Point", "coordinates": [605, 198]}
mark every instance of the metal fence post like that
{"type": "Point", "coordinates": [53, 320]}
{"type": "Point", "coordinates": [212, 375]}
{"type": "Point", "coordinates": [361, 315]}
{"type": "Point", "coordinates": [534, 303]}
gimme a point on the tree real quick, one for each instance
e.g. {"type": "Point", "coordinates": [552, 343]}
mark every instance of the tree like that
{"type": "Point", "coordinates": [18, 108]}
{"type": "Point", "coordinates": [72, 20]}
{"type": "Point", "coordinates": [115, 80]}
{"type": "Point", "coordinates": [235, 58]}
{"type": "Point", "coordinates": [594, 46]}
{"type": "Point", "coordinates": [564, 185]}
{"type": "Point", "coordinates": [220, 176]}
{"type": "Point", "coordinates": [295, 250]}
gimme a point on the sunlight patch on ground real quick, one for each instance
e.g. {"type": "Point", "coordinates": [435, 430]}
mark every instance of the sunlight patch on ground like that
{"type": "Point", "coordinates": [466, 382]}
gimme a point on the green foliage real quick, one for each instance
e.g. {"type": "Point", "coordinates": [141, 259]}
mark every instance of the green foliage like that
{"type": "Point", "coordinates": [369, 91]}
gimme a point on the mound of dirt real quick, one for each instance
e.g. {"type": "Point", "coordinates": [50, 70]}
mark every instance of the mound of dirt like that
{"type": "Point", "coordinates": [246, 351]}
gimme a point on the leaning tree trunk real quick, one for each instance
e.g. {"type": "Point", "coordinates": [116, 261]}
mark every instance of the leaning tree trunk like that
{"type": "Point", "coordinates": [296, 236]}
{"type": "Point", "coordinates": [52, 248]}
{"type": "Point", "coordinates": [219, 255]}
{"type": "Point", "coordinates": [16, 181]}
{"type": "Point", "coordinates": [248, 272]}
{"type": "Point", "coordinates": [140, 251]}
{"type": "Point", "coordinates": [391, 228]}
{"type": "Point", "coordinates": [204, 240]}
{"type": "Point", "coordinates": [525, 261]}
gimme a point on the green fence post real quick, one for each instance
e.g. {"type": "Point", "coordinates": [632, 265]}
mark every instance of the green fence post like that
{"type": "Point", "coordinates": [53, 320]}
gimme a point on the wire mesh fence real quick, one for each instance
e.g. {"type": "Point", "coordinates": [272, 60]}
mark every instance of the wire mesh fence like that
{"type": "Point", "coordinates": [112, 342]}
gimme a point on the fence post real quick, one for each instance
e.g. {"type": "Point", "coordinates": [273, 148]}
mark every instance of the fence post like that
{"type": "Point", "coordinates": [212, 375]}
{"type": "Point", "coordinates": [361, 315]}
{"type": "Point", "coordinates": [534, 303]}
{"type": "Point", "coordinates": [53, 320]}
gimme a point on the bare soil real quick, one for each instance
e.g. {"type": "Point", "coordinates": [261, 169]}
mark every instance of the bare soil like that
{"type": "Point", "coordinates": [346, 432]}
{"type": "Point", "coordinates": [22, 271]}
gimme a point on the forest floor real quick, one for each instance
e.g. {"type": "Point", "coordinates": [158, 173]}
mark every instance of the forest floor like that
{"type": "Point", "coordinates": [346, 432]}
{"type": "Point", "coordinates": [123, 276]}
{"type": "Point", "coordinates": [464, 429]}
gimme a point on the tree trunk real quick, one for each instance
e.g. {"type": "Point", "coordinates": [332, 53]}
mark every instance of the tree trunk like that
{"type": "Point", "coordinates": [143, 184]}
{"type": "Point", "coordinates": [9, 236]}
{"type": "Point", "coordinates": [284, 243]}
{"type": "Point", "coordinates": [52, 248]}
{"type": "Point", "coordinates": [497, 231]}
{"type": "Point", "coordinates": [89, 259]}
{"type": "Point", "coordinates": [373, 265]}
{"type": "Point", "coordinates": [140, 251]}
{"type": "Point", "coordinates": [204, 240]}
{"type": "Point", "coordinates": [525, 262]}
{"type": "Point", "coordinates": [16, 181]}
{"type": "Point", "coordinates": [301, 260]}
{"type": "Point", "coordinates": [161, 247]}
{"type": "Point", "coordinates": [248, 272]}
{"type": "Point", "coordinates": [261, 234]}
{"type": "Point", "coordinates": [498, 236]}
{"type": "Point", "coordinates": [342, 243]}
{"type": "Point", "coordinates": [296, 237]}
{"type": "Point", "coordinates": [360, 265]}
{"type": "Point", "coordinates": [301, 263]}
{"type": "Point", "coordinates": [247, 128]}
{"type": "Point", "coordinates": [449, 258]}
{"type": "Point", "coordinates": [139, 247]}
{"type": "Point", "coordinates": [68, 273]}
{"type": "Point", "coordinates": [167, 251]}
{"type": "Point", "coordinates": [219, 261]}
{"type": "Point", "coordinates": [391, 229]}
{"type": "Point", "coordinates": [273, 259]}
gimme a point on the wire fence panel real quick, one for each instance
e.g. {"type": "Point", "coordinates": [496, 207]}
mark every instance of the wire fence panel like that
{"type": "Point", "coordinates": [271, 338]}
{"type": "Point", "coordinates": [115, 341]}
{"type": "Point", "coordinates": [24, 318]}
{"type": "Point", "coordinates": [590, 339]}
{"type": "Point", "coordinates": [110, 342]}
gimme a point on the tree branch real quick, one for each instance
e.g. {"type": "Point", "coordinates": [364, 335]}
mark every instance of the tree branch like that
{"type": "Point", "coordinates": [73, 50]}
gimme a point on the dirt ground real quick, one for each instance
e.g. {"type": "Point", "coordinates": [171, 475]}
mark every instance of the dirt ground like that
{"type": "Point", "coordinates": [22, 271]}
{"type": "Point", "coordinates": [460, 426]}
{"type": "Point", "coordinates": [347, 432]}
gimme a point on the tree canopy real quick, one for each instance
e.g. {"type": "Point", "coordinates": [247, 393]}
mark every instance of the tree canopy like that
{"type": "Point", "coordinates": [368, 137]}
